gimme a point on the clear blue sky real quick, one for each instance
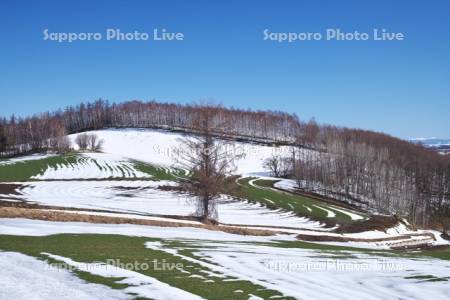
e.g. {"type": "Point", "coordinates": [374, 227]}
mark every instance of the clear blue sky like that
{"type": "Point", "coordinates": [401, 87]}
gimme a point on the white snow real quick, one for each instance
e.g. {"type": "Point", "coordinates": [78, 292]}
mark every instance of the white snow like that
{"type": "Point", "coordinates": [161, 147]}
{"type": "Point", "coordinates": [122, 196]}
{"type": "Point", "coordinates": [142, 285]}
{"type": "Point", "coordinates": [326, 275]}
{"type": "Point", "coordinates": [27, 227]}
{"type": "Point", "coordinates": [330, 214]}
{"type": "Point", "coordinates": [313, 274]}
{"type": "Point", "coordinates": [270, 201]}
{"type": "Point", "coordinates": [26, 277]}
{"type": "Point", "coordinates": [297, 272]}
{"type": "Point", "coordinates": [352, 215]}
{"type": "Point", "coordinates": [143, 197]}
{"type": "Point", "coordinates": [286, 184]}
{"type": "Point", "coordinates": [12, 161]}
{"type": "Point", "coordinates": [93, 166]}
{"type": "Point", "coordinates": [246, 213]}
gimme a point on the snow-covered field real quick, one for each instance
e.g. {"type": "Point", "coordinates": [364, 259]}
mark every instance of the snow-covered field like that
{"type": "Point", "coordinates": [111, 181]}
{"type": "Point", "coordinates": [161, 148]}
{"type": "Point", "coordinates": [93, 166]}
{"type": "Point", "coordinates": [144, 197]}
{"type": "Point", "coordinates": [26, 227]}
{"type": "Point", "coordinates": [122, 196]}
{"type": "Point", "coordinates": [313, 274]}
{"type": "Point", "coordinates": [297, 272]}
{"type": "Point", "coordinates": [25, 277]}
{"type": "Point", "coordinates": [141, 285]}
{"type": "Point", "coordinates": [24, 159]}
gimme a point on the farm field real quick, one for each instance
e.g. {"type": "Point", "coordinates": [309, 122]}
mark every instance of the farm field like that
{"type": "Point", "coordinates": [82, 217]}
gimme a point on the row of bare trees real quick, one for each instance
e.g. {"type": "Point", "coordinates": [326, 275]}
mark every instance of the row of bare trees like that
{"type": "Point", "coordinates": [265, 125]}
{"type": "Point", "coordinates": [34, 134]}
{"type": "Point", "coordinates": [38, 133]}
{"type": "Point", "coordinates": [89, 141]}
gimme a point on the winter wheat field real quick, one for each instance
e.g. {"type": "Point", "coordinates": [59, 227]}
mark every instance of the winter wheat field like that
{"type": "Point", "coordinates": [115, 225]}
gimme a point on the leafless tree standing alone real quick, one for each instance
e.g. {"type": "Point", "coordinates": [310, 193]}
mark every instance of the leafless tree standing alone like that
{"type": "Point", "coordinates": [209, 159]}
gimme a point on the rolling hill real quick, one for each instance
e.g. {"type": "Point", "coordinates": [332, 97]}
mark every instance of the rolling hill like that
{"type": "Point", "coordinates": [88, 212]}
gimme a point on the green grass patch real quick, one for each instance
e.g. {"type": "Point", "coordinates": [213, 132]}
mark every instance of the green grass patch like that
{"type": "Point", "coordinates": [159, 173]}
{"type": "Point", "coordinates": [440, 253]}
{"type": "Point", "coordinates": [430, 278]}
{"type": "Point", "coordinates": [109, 281]}
{"type": "Point", "coordinates": [90, 248]}
{"type": "Point", "coordinates": [304, 206]}
{"type": "Point", "coordinates": [24, 170]}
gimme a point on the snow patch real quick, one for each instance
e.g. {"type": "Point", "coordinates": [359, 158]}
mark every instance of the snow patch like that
{"type": "Point", "coordinates": [93, 166]}
{"type": "Point", "coordinates": [142, 285]}
{"type": "Point", "coordinates": [26, 277]}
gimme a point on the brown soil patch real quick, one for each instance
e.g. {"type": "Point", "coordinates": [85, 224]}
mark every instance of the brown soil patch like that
{"type": "Point", "coordinates": [169, 188]}
{"type": "Point", "coordinates": [445, 236]}
{"type": "Point", "coordinates": [39, 214]}
{"type": "Point", "coordinates": [375, 222]}
{"type": "Point", "coordinates": [7, 189]}
{"type": "Point", "coordinates": [330, 238]}
{"type": "Point", "coordinates": [30, 205]}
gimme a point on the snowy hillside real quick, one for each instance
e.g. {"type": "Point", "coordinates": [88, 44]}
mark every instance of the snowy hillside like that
{"type": "Point", "coordinates": [93, 166]}
{"type": "Point", "coordinates": [160, 147]}
{"type": "Point", "coordinates": [266, 243]}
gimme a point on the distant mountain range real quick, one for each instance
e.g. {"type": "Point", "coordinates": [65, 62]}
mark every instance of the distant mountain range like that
{"type": "Point", "coordinates": [440, 145]}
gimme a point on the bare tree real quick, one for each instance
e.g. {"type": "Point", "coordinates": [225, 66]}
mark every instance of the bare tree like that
{"type": "Point", "coordinates": [311, 130]}
{"type": "Point", "coordinates": [94, 143]}
{"type": "Point", "coordinates": [209, 161]}
{"type": "Point", "coordinates": [63, 144]}
{"type": "Point", "coordinates": [2, 140]}
{"type": "Point", "coordinates": [82, 141]}
{"type": "Point", "coordinates": [279, 166]}
{"type": "Point", "coordinates": [89, 141]}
